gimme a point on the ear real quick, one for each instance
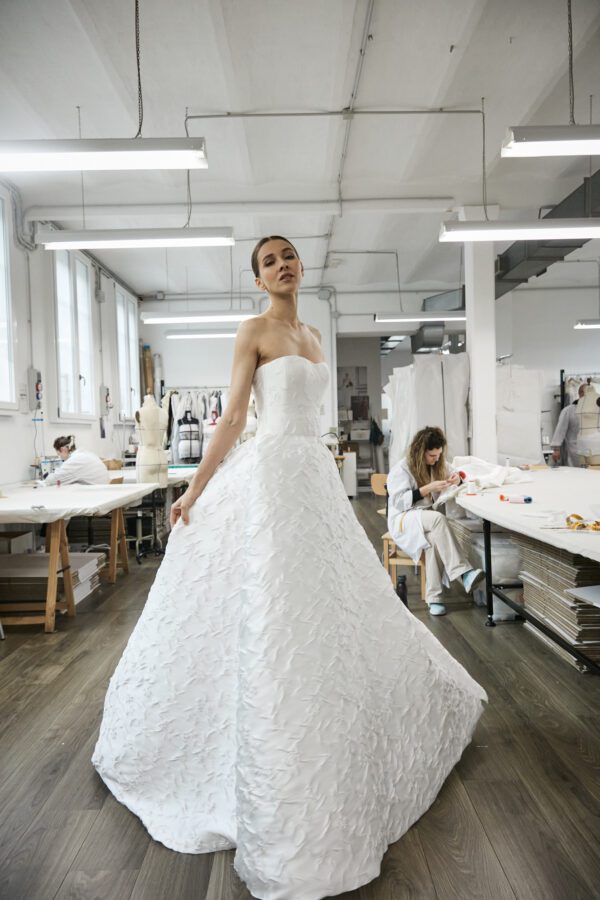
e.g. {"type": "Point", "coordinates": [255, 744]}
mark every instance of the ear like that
{"type": "Point", "coordinates": [260, 285]}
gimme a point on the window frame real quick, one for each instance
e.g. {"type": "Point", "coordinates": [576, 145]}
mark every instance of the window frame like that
{"type": "Point", "coordinates": [125, 367]}
{"type": "Point", "coordinates": [8, 406]}
{"type": "Point", "coordinates": [76, 415]}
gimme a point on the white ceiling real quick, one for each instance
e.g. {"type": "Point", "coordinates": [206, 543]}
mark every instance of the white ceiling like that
{"type": "Point", "coordinates": [215, 56]}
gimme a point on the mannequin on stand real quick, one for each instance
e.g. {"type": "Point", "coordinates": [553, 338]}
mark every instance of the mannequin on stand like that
{"type": "Point", "coordinates": [588, 413]}
{"type": "Point", "coordinates": [151, 462]}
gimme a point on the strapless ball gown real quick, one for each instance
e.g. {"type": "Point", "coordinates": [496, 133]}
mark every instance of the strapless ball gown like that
{"type": "Point", "coordinates": [275, 695]}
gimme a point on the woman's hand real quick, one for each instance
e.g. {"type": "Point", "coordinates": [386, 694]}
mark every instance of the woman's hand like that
{"type": "Point", "coordinates": [181, 508]}
{"type": "Point", "coordinates": [436, 487]}
{"type": "Point", "coordinates": [454, 479]}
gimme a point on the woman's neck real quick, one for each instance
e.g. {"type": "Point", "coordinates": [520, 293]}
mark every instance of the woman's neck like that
{"type": "Point", "coordinates": [284, 308]}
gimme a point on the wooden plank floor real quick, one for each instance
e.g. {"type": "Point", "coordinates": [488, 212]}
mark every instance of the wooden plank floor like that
{"type": "Point", "coordinates": [517, 818]}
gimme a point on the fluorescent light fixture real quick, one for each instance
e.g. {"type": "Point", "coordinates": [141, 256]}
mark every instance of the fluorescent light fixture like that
{"type": "Point", "coordinates": [540, 230]}
{"type": "Point", "coordinates": [103, 154]}
{"type": "Point", "coordinates": [552, 140]}
{"type": "Point", "coordinates": [122, 238]}
{"type": "Point", "coordinates": [198, 335]}
{"type": "Point", "coordinates": [150, 318]}
{"type": "Point", "coordinates": [587, 323]}
{"type": "Point", "coordinates": [437, 316]}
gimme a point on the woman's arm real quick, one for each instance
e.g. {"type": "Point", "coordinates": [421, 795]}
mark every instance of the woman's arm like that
{"type": "Point", "coordinates": [231, 423]}
{"type": "Point", "coordinates": [67, 473]}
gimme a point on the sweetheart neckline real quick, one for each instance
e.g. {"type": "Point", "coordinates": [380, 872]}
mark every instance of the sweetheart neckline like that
{"type": "Point", "coordinates": [290, 356]}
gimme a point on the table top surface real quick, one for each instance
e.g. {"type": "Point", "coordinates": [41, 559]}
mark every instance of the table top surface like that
{"type": "Point", "coordinates": [25, 503]}
{"type": "Point", "coordinates": [559, 491]}
{"type": "Point", "coordinates": [176, 474]}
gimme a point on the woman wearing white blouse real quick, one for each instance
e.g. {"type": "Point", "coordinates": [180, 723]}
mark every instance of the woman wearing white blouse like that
{"type": "Point", "coordinates": [413, 485]}
{"type": "Point", "coordinates": [79, 466]}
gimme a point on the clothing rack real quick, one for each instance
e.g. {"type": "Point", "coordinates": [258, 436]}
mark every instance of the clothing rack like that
{"type": "Point", "coordinates": [202, 389]}
{"type": "Point", "coordinates": [582, 376]}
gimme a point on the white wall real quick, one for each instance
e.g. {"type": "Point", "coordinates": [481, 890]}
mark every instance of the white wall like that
{"type": "Point", "coordinates": [364, 351]}
{"type": "Point", "coordinates": [536, 326]}
{"type": "Point", "coordinates": [35, 342]}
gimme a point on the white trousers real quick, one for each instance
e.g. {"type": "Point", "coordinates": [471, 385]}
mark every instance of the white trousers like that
{"type": "Point", "coordinates": [442, 556]}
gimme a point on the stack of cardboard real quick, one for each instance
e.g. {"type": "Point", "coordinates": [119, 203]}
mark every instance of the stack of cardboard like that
{"type": "Point", "coordinates": [24, 576]}
{"type": "Point", "coordinates": [548, 573]}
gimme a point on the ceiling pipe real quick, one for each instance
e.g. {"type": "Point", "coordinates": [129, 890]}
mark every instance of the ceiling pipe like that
{"type": "Point", "coordinates": [400, 205]}
{"type": "Point", "coordinates": [348, 113]}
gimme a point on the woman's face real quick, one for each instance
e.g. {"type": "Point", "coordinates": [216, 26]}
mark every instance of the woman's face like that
{"type": "Point", "coordinates": [432, 456]}
{"type": "Point", "coordinates": [64, 452]}
{"type": "Point", "coordinates": [280, 270]}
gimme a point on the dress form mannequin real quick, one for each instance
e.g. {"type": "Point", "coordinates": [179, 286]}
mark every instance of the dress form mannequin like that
{"type": "Point", "coordinates": [588, 413]}
{"type": "Point", "coordinates": [151, 462]}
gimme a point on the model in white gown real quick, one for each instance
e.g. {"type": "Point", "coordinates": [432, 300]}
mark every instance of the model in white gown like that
{"type": "Point", "coordinates": [275, 695]}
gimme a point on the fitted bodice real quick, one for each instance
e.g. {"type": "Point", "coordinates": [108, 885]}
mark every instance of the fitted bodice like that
{"type": "Point", "coordinates": [289, 391]}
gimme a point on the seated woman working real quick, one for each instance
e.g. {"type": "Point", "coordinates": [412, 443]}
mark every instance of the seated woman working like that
{"type": "Point", "coordinates": [78, 467]}
{"type": "Point", "coordinates": [413, 485]}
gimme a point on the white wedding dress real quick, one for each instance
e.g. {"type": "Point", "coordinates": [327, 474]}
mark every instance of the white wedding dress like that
{"type": "Point", "coordinates": [276, 696]}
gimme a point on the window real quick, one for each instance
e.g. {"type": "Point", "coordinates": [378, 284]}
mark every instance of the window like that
{"type": "Point", "coordinates": [7, 375]}
{"type": "Point", "coordinates": [128, 353]}
{"type": "Point", "coordinates": [75, 344]}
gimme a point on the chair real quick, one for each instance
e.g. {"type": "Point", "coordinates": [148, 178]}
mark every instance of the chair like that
{"type": "Point", "coordinates": [393, 558]}
{"type": "Point", "coordinates": [116, 480]}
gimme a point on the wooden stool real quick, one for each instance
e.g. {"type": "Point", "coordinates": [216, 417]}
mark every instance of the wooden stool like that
{"type": "Point", "coordinates": [395, 559]}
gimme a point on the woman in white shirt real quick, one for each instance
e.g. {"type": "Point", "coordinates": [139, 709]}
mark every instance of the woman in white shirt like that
{"type": "Point", "coordinates": [79, 466]}
{"type": "Point", "coordinates": [413, 485]}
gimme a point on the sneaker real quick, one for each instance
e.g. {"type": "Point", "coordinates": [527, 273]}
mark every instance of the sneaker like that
{"type": "Point", "coordinates": [437, 609]}
{"type": "Point", "coordinates": [472, 579]}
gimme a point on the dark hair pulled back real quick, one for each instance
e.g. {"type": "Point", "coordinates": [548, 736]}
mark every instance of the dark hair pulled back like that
{"type": "Point", "coordinates": [261, 243]}
{"type": "Point", "coordinates": [65, 441]}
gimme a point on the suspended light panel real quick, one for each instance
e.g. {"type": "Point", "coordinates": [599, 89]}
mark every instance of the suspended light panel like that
{"type": "Point", "coordinates": [540, 230]}
{"type": "Point", "coordinates": [587, 323]}
{"type": "Point", "coordinates": [150, 318]}
{"type": "Point", "coordinates": [103, 154]}
{"type": "Point", "coordinates": [552, 140]}
{"type": "Point", "coordinates": [437, 316]}
{"type": "Point", "coordinates": [198, 335]}
{"type": "Point", "coordinates": [135, 238]}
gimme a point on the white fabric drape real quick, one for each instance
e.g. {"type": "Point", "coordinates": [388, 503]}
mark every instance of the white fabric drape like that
{"type": "Point", "coordinates": [432, 391]}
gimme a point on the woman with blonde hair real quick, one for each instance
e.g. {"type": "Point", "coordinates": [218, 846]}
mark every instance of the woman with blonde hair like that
{"type": "Point", "coordinates": [413, 485]}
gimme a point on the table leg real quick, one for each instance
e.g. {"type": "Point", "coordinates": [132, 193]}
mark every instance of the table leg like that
{"type": "Point", "coordinates": [111, 575]}
{"type": "Point", "coordinates": [487, 549]}
{"type": "Point", "coordinates": [66, 570]}
{"type": "Point", "coordinates": [53, 538]}
{"type": "Point", "coordinates": [123, 557]}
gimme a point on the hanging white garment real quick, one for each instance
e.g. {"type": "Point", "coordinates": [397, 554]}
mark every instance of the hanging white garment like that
{"type": "Point", "coordinates": [402, 420]}
{"type": "Point", "coordinates": [456, 374]}
{"type": "Point", "coordinates": [432, 391]}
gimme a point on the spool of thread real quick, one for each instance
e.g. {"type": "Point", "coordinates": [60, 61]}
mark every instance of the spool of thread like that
{"type": "Point", "coordinates": [462, 475]}
{"type": "Point", "coordinates": [517, 499]}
